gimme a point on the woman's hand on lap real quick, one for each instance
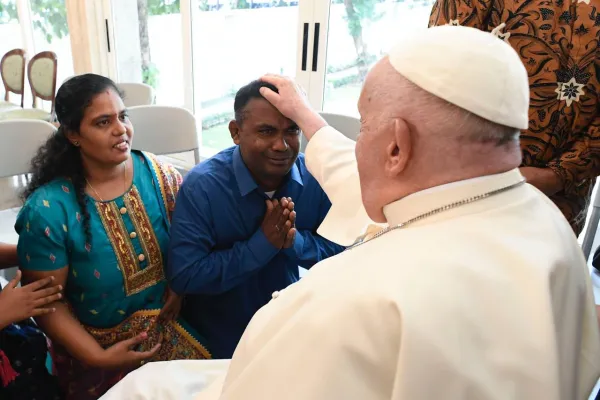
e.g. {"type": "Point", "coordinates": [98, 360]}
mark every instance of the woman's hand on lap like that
{"type": "Point", "coordinates": [124, 355]}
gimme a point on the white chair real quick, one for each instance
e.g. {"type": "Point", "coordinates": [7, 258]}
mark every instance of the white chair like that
{"type": "Point", "coordinates": [163, 130]}
{"type": "Point", "coordinates": [19, 142]}
{"type": "Point", "coordinates": [137, 94]}
{"type": "Point", "coordinates": [41, 71]}
{"type": "Point", "coordinates": [349, 126]}
{"type": "Point", "coordinates": [591, 228]}
{"type": "Point", "coordinates": [12, 70]}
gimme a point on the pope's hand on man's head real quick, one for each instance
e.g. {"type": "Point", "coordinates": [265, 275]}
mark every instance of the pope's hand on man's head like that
{"type": "Point", "coordinates": [292, 102]}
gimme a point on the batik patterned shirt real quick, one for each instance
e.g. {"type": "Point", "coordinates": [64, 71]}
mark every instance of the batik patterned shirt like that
{"type": "Point", "coordinates": [558, 43]}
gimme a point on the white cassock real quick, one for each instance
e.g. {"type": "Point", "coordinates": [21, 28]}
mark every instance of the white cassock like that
{"type": "Point", "coordinates": [490, 300]}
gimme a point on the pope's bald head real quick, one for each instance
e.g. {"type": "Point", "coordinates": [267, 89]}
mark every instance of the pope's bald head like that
{"type": "Point", "coordinates": [388, 94]}
{"type": "Point", "coordinates": [445, 107]}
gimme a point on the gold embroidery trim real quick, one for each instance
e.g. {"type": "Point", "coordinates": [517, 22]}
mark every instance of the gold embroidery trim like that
{"type": "Point", "coordinates": [161, 179]}
{"type": "Point", "coordinates": [135, 279]}
{"type": "Point", "coordinates": [176, 342]}
{"type": "Point", "coordinates": [143, 226]}
{"type": "Point", "coordinates": [119, 240]}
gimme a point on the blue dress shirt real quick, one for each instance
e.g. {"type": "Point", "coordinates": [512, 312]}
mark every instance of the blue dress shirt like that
{"type": "Point", "coordinates": [219, 256]}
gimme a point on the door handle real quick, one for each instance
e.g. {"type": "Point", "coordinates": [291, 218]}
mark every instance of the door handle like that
{"type": "Point", "coordinates": [304, 46]}
{"type": "Point", "coordinates": [315, 60]}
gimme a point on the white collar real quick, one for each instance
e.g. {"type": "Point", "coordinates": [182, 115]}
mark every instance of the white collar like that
{"type": "Point", "coordinates": [430, 199]}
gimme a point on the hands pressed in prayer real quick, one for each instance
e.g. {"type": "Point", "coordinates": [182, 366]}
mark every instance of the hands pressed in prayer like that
{"type": "Point", "coordinates": [19, 303]}
{"type": "Point", "coordinates": [172, 307]}
{"type": "Point", "coordinates": [545, 179]}
{"type": "Point", "coordinates": [289, 239]}
{"type": "Point", "coordinates": [276, 224]}
{"type": "Point", "coordinates": [124, 355]}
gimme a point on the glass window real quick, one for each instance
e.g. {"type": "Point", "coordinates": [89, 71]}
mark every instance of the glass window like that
{"type": "Point", "coordinates": [51, 33]}
{"type": "Point", "coordinates": [234, 43]}
{"type": "Point", "coordinates": [10, 30]}
{"type": "Point", "coordinates": [162, 49]}
{"type": "Point", "coordinates": [360, 33]}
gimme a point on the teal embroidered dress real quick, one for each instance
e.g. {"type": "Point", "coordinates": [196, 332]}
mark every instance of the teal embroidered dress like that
{"type": "Point", "coordinates": [116, 282]}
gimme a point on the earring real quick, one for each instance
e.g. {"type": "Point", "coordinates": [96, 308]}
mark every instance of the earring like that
{"type": "Point", "coordinates": [76, 143]}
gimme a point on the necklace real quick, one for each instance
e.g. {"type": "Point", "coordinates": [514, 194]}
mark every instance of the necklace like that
{"type": "Point", "coordinates": [124, 183]}
{"type": "Point", "coordinates": [437, 211]}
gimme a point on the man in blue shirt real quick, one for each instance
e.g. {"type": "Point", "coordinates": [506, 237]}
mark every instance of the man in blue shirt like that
{"type": "Point", "coordinates": [245, 220]}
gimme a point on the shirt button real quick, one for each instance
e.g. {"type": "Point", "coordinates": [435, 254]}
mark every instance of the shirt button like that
{"type": "Point", "coordinates": [133, 235]}
{"type": "Point", "coordinates": [141, 257]}
{"type": "Point", "coordinates": [123, 210]}
{"type": "Point", "coordinates": [275, 294]}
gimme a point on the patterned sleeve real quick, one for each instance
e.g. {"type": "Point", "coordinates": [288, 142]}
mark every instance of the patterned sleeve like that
{"type": "Point", "coordinates": [42, 238]}
{"type": "Point", "coordinates": [475, 14]}
{"type": "Point", "coordinates": [176, 178]}
{"type": "Point", "coordinates": [581, 161]}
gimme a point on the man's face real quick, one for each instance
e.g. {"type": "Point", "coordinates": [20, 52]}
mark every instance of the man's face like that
{"type": "Point", "coordinates": [269, 142]}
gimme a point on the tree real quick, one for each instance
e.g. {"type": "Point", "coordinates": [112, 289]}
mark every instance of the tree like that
{"type": "Point", "coordinates": [148, 76]}
{"type": "Point", "coordinates": [160, 7]}
{"type": "Point", "coordinates": [358, 12]}
{"type": "Point", "coordinates": [145, 9]}
{"type": "Point", "coordinates": [49, 17]}
{"type": "Point", "coordinates": [239, 4]}
{"type": "Point", "coordinates": [8, 12]}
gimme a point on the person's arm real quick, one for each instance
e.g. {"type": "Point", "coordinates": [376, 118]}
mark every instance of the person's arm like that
{"type": "Point", "coordinates": [474, 14]}
{"type": "Point", "coordinates": [8, 256]}
{"type": "Point", "coordinates": [20, 303]}
{"type": "Point", "coordinates": [308, 247]}
{"type": "Point", "coordinates": [195, 265]}
{"type": "Point", "coordinates": [62, 327]}
{"type": "Point", "coordinates": [43, 254]}
{"type": "Point", "coordinates": [580, 162]}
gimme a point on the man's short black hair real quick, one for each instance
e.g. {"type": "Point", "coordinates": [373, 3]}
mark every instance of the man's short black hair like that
{"type": "Point", "coordinates": [247, 93]}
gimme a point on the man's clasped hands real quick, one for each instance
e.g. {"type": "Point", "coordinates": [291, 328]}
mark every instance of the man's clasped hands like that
{"type": "Point", "coordinates": [279, 223]}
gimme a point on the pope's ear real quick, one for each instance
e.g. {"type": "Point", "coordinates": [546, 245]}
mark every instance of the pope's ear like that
{"type": "Point", "coordinates": [398, 151]}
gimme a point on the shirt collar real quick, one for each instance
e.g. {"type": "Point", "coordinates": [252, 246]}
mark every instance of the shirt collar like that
{"type": "Point", "coordinates": [427, 200]}
{"type": "Point", "coordinates": [246, 182]}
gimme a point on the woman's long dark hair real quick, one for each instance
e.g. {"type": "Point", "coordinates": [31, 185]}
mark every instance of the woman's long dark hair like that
{"type": "Point", "coordinates": [58, 157]}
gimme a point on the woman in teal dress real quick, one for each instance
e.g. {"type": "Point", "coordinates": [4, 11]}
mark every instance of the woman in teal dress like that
{"type": "Point", "coordinates": [97, 219]}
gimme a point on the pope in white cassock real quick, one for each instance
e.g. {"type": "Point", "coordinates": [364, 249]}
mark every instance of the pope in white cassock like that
{"type": "Point", "coordinates": [477, 288]}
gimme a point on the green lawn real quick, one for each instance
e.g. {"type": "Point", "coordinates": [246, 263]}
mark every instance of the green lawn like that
{"type": "Point", "coordinates": [217, 137]}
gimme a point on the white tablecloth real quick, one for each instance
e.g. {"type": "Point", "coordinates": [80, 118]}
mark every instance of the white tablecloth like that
{"type": "Point", "coordinates": [172, 380]}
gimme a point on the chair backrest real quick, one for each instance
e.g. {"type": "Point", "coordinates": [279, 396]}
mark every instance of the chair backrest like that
{"type": "Point", "coordinates": [41, 72]}
{"type": "Point", "coordinates": [12, 69]}
{"type": "Point", "coordinates": [164, 130]}
{"type": "Point", "coordinates": [20, 140]}
{"type": "Point", "coordinates": [349, 126]}
{"type": "Point", "coordinates": [137, 94]}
